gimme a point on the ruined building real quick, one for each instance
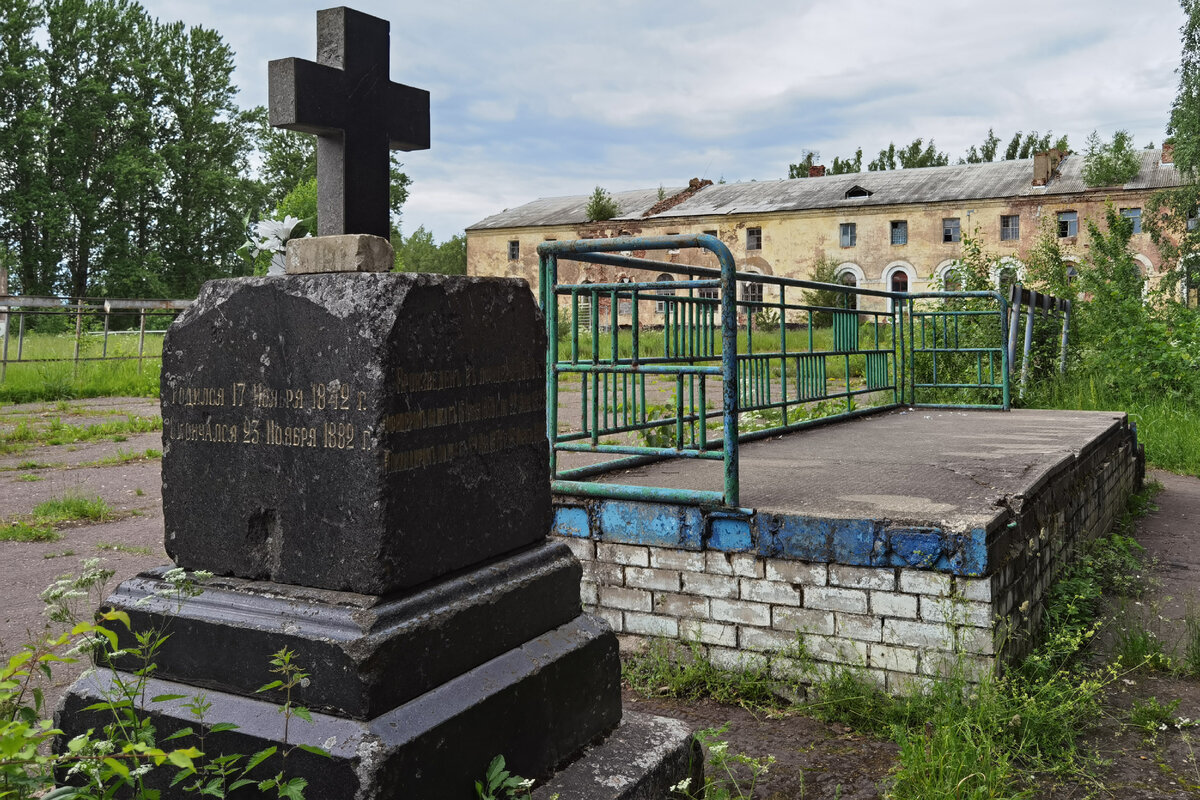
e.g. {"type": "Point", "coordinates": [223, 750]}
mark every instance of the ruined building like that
{"type": "Point", "coordinates": [900, 230]}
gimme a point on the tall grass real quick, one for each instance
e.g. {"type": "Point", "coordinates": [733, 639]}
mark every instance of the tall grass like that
{"type": "Point", "coordinates": [1168, 426]}
{"type": "Point", "coordinates": [28, 381]}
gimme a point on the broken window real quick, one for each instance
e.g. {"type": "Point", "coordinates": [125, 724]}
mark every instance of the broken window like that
{"type": "Point", "coordinates": [754, 238]}
{"type": "Point", "coordinates": [514, 250]}
{"type": "Point", "coordinates": [951, 232]}
{"type": "Point", "coordinates": [899, 231]}
{"type": "Point", "coordinates": [848, 234]}
{"type": "Point", "coordinates": [1010, 228]}
{"type": "Point", "coordinates": [752, 292]}
{"type": "Point", "coordinates": [1134, 215]}
{"type": "Point", "coordinates": [1068, 224]}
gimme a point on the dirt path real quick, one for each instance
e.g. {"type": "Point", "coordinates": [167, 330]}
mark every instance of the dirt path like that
{"type": "Point", "coordinates": [814, 759]}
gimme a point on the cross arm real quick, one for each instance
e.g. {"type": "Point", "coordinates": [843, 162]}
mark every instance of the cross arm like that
{"type": "Point", "coordinates": [307, 97]}
{"type": "Point", "coordinates": [407, 117]}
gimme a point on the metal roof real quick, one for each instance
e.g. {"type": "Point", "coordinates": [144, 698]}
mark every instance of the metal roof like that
{"type": "Point", "coordinates": [959, 182]}
{"type": "Point", "coordinates": [571, 210]}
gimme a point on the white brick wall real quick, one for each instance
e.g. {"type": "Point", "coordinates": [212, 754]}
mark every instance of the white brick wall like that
{"type": "Point", "coordinates": [897, 625]}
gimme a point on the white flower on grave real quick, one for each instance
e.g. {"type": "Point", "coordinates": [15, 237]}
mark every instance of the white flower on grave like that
{"type": "Point", "coordinates": [272, 236]}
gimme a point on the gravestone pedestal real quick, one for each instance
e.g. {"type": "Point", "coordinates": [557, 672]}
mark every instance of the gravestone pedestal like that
{"type": "Point", "coordinates": [361, 460]}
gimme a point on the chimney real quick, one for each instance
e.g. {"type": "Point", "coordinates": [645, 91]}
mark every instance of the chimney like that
{"type": "Point", "coordinates": [816, 171]}
{"type": "Point", "coordinates": [1045, 164]}
{"type": "Point", "coordinates": [1168, 153]}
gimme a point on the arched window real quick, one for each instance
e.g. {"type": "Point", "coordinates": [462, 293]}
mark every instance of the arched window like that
{"type": "Point", "coordinates": [1007, 278]}
{"type": "Point", "coordinates": [952, 280]}
{"type": "Point", "coordinates": [898, 277]}
{"type": "Point", "coordinates": [851, 280]}
{"type": "Point", "coordinates": [661, 305]}
{"type": "Point", "coordinates": [752, 292]}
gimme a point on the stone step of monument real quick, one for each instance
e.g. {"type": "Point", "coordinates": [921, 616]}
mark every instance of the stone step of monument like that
{"type": "Point", "coordinates": [365, 654]}
{"type": "Point", "coordinates": [537, 705]}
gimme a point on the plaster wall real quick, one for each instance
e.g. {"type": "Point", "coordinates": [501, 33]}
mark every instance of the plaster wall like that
{"type": "Point", "coordinates": [794, 241]}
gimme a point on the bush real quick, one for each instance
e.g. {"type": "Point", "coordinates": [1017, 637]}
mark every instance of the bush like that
{"type": "Point", "coordinates": [1110, 164]}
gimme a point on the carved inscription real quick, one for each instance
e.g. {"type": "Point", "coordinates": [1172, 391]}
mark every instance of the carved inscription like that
{"type": "Point", "coordinates": [502, 391]}
{"type": "Point", "coordinates": [257, 415]}
{"type": "Point", "coordinates": [465, 407]}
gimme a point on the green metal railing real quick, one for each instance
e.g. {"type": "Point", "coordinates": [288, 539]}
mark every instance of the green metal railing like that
{"type": "Point", "coordinates": [690, 367]}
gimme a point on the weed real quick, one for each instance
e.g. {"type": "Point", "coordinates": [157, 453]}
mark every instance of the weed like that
{"type": "Point", "coordinates": [29, 477]}
{"type": "Point", "coordinates": [665, 668]}
{"type": "Point", "coordinates": [1151, 717]}
{"type": "Point", "coordinates": [33, 465]}
{"type": "Point", "coordinates": [63, 554]}
{"type": "Point", "coordinates": [117, 547]}
{"type": "Point", "coordinates": [499, 784]}
{"type": "Point", "coordinates": [18, 531]}
{"type": "Point", "coordinates": [1139, 648]}
{"type": "Point", "coordinates": [729, 775]}
{"type": "Point", "coordinates": [139, 492]}
{"type": "Point", "coordinates": [1191, 643]}
{"type": "Point", "coordinates": [72, 507]}
{"type": "Point", "coordinates": [60, 433]}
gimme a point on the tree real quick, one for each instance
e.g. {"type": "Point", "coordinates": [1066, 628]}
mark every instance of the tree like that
{"type": "Point", "coordinates": [418, 253]}
{"type": "Point", "coordinates": [840, 166]}
{"type": "Point", "coordinates": [1184, 125]}
{"type": "Point", "coordinates": [1108, 164]}
{"type": "Point", "coordinates": [804, 168]}
{"type": "Point", "coordinates": [601, 206]}
{"type": "Point", "coordinates": [824, 270]}
{"type": "Point", "coordinates": [24, 189]}
{"type": "Point", "coordinates": [847, 166]}
{"type": "Point", "coordinates": [916, 154]}
{"type": "Point", "coordinates": [1031, 143]}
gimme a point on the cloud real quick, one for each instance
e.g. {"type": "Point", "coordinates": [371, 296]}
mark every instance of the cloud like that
{"type": "Point", "coordinates": [534, 98]}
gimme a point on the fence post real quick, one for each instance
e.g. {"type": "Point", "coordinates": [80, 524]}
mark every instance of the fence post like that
{"type": "Point", "coordinates": [141, 336]}
{"type": "Point", "coordinates": [1062, 365]}
{"type": "Point", "coordinates": [78, 330]}
{"type": "Point", "coordinates": [1025, 351]}
{"type": "Point", "coordinates": [1014, 311]}
{"type": "Point", "coordinates": [4, 360]}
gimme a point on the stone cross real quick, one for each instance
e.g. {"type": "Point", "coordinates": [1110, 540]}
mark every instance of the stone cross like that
{"type": "Point", "coordinates": [358, 115]}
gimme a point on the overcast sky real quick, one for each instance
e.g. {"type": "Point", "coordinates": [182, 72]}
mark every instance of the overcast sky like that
{"type": "Point", "coordinates": [534, 98]}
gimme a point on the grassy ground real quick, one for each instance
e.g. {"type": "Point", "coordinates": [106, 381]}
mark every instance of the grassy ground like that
{"type": "Point", "coordinates": [1009, 737]}
{"type": "Point", "coordinates": [117, 375]}
{"type": "Point", "coordinates": [1168, 426]}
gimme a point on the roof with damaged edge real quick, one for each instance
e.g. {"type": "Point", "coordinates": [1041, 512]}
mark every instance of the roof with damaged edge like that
{"type": "Point", "coordinates": [964, 182]}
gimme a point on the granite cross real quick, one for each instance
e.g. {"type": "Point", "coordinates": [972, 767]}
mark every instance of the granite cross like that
{"type": "Point", "coordinates": [358, 115]}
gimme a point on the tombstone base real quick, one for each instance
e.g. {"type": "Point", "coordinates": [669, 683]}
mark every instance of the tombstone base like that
{"type": "Point", "coordinates": [537, 705]}
{"type": "Point", "coordinates": [365, 654]}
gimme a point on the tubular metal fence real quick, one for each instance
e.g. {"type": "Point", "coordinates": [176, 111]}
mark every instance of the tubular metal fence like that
{"type": "Point", "coordinates": [83, 320]}
{"type": "Point", "coordinates": [650, 358]}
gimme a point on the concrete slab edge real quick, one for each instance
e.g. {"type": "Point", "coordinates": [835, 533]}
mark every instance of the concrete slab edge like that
{"type": "Point", "coordinates": [641, 760]}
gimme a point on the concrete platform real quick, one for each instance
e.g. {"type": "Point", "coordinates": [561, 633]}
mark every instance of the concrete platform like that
{"type": "Point", "coordinates": [901, 544]}
{"type": "Point", "coordinates": [932, 488]}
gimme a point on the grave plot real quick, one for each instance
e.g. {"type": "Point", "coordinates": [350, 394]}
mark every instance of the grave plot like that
{"type": "Point", "coordinates": [860, 495]}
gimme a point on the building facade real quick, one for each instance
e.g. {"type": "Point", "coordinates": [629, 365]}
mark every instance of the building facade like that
{"type": "Point", "coordinates": [897, 230]}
